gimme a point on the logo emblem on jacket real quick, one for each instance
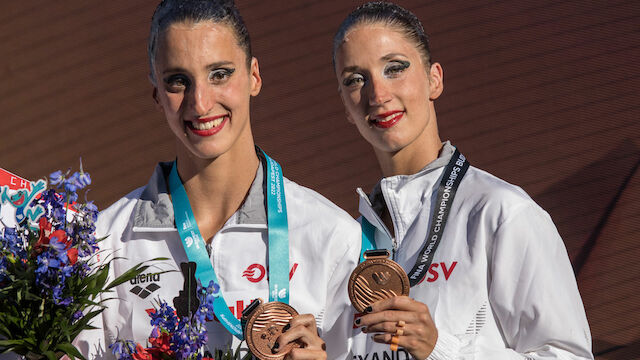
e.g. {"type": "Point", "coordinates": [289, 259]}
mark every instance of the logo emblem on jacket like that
{"type": "Point", "coordinates": [143, 291]}
{"type": "Point", "coordinates": [256, 272]}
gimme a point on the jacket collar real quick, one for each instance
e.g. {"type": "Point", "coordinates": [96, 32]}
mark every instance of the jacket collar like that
{"type": "Point", "coordinates": [376, 198]}
{"type": "Point", "coordinates": [154, 210]}
{"type": "Point", "coordinates": [372, 205]}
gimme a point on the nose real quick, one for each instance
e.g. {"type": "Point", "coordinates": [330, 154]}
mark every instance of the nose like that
{"type": "Point", "coordinates": [378, 92]}
{"type": "Point", "coordinates": [203, 98]}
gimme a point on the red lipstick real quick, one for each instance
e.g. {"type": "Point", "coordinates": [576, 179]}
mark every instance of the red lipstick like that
{"type": "Point", "coordinates": [211, 131]}
{"type": "Point", "coordinates": [387, 119]}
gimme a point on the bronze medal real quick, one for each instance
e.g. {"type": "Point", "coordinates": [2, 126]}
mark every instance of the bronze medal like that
{"type": "Point", "coordinates": [264, 323]}
{"type": "Point", "coordinates": [375, 279]}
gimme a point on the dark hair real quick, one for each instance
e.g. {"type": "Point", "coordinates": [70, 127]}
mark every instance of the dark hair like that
{"type": "Point", "coordinates": [388, 14]}
{"type": "Point", "coordinates": [170, 12]}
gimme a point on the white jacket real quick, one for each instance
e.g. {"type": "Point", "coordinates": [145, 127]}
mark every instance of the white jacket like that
{"type": "Point", "coordinates": [324, 246]}
{"type": "Point", "coordinates": [500, 285]}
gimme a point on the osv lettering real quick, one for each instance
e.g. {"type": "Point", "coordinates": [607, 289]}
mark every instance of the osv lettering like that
{"type": "Point", "coordinates": [436, 268]}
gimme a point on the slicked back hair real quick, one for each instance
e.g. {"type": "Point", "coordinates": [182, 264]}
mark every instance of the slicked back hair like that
{"type": "Point", "coordinates": [390, 14]}
{"type": "Point", "coordinates": [170, 12]}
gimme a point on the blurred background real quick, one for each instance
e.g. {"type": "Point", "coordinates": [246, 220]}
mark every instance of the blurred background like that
{"type": "Point", "coordinates": [543, 94]}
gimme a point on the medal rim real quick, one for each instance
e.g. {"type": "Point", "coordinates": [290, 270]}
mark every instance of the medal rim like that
{"type": "Point", "coordinates": [258, 353]}
{"type": "Point", "coordinates": [388, 263]}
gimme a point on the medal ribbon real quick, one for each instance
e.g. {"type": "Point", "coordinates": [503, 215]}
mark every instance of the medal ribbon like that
{"type": "Point", "coordinates": [368, 237]}
{"type": "Point", "coordinates": [453, 174]}
{"type": "Point", "coordinates": [278, 241]}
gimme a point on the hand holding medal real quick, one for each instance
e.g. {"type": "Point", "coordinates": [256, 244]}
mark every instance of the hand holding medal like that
{"type": "Point", "coordinates": [376, 278]}
{"type": "Point", "coordinates": [379, 289]}
{"type": "Point", "coordinates": [267, 325]}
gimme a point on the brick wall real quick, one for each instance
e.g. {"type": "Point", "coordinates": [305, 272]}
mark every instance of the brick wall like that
{"type": "Point", "coordinates": [543, 94]}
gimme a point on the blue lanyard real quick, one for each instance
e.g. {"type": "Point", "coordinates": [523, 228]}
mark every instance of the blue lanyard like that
{"type": "Point", "coordinates": [452, 176]}
{"type": "Point", "coordinates": [278, 235]}
{"type": "Point", "coordinates": [368, 237]}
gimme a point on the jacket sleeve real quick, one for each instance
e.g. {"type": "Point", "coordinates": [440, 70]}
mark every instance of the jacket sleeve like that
{"type": "Point", "coordinates": [533, 296]}
{"type": "Point", "coordinates": [337, 320]}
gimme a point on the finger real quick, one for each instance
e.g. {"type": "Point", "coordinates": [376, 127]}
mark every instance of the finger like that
{"type": "Point", "coordinates": [304, 354]}
{"type": "Point", "coordinates": [391, 316]}
{"type": "Point", "coordinates": [393, 328]}
{"type": "Point", "coordinates": [403, 303]}
{"type": "Point", "coordinates": [307, 320]}
{"type": "Point", "coordinates": [301, 329]}
{"type": "Point", "coordinates": [301, 335]}
{"type": "Point", "coordinates": [394, 341]}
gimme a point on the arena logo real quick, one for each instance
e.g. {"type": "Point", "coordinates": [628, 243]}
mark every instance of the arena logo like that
{"type": "Point", "coordinates": [144, 291]}
{"type": "Point", "coordinates": [144, 278]}
{"type": "Point", "coordinates": [257, 272]}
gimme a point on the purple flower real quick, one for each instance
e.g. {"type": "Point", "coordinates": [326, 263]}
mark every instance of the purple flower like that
{"type": "Point", "coordinates": [84, 179]}
{"type": "Point", "coordinates": [56, 177]}
{"type": "Point", "coordinates": [123, 349]}
{"type": "Point", "coordinates": [3, 269]}
{"type": "Point", "coordinates": [164, 317]}
{"type": "Point", "coordinates": [78, 315]}
{"type": "Point", "coordinates": [72, 184]}
{"type": "Point", "coordinates": [70, 195]}
{"type": "Point", "coordinates": [188, 339]}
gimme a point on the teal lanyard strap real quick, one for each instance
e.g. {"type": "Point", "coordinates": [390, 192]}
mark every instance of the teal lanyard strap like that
{"type": "Point", "coordinates": [278, 231]}
{"type": "Point", "coordinates": [278, 235]}
{"type": "Point", "coordinates": [368, 237]}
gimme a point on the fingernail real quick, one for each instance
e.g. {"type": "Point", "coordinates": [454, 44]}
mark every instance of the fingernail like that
{"type": "Point", "coordinates": [368, 309]}
{"type": "Point", "coordinates": [357, 322]}
{"type": "Point", "coordinates": [364, 329]}
{"type": "Point", "coordinates": [286, 327]}
{"type": "Point", "coordinates": [275, 348]}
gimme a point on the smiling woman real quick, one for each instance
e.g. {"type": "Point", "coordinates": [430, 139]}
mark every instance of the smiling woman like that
{"type": "Point", "coordinates": [208, 211]}
{"type": "Point", "coordinates": [513, 293]}
{"type": "Point", "coordinates": [203, 87]}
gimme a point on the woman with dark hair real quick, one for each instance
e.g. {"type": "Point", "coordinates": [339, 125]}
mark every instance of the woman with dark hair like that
{"type": "Point", "coordinates": [490, 277]}
{"type": "Point", "coordinates": [222, 211]}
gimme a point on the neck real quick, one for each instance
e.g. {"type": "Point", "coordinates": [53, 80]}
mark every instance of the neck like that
{"type": "Point", "coordinates": [217, 187]}
{"type": "Point", "coordinates": [413, 157]}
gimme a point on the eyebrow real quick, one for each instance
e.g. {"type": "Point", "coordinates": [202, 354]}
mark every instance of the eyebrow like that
{"type": "Point", "coordinates": [349, 69]}
{"type": "Point", "coordinates": [219, 63]}
{"type": "Point", "coordinates": [388, 57]}
{"type": "Point", "coordinates": [210, 66]}
{"type": "Point", "coordinates": [392, 56]}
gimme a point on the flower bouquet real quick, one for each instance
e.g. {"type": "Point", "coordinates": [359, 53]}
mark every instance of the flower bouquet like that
{"type": "Point", "coordinates": [50, 273]}
{"type": "Point", "coordinates": [176, 337]}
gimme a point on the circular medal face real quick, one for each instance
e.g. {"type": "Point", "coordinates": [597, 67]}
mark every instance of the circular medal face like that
{"type": "Point", "coordinates": [264, 326]}
{"type": "Point", "coordinates": [376, 279]}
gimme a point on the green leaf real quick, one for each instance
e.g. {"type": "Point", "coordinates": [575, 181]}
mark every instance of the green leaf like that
{"type": "Point", "coordinates": [101, 279]}
{"type": "Point", "coordinates": [84, 321]}
{"type": "Point", "coordinates": [50, 355]}
{"type": "Point", "coordinates": [70, 350]}
{"type": "Point", "coordinates": [5, 343]}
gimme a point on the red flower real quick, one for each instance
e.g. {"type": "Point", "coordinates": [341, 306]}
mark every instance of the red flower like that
{"type": "Point", "coordinates": [162, 343]}
{"type": "Point", "coordinates": [141, 353]}
{"type": "Point", "coordinates": [61, 235]}
{"type": "Point", "coordinates": [72, 254]}
{"type": "Point", "coordinates": [43, 238]}
{"type": "Point", "coordinates": [157, 354]}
